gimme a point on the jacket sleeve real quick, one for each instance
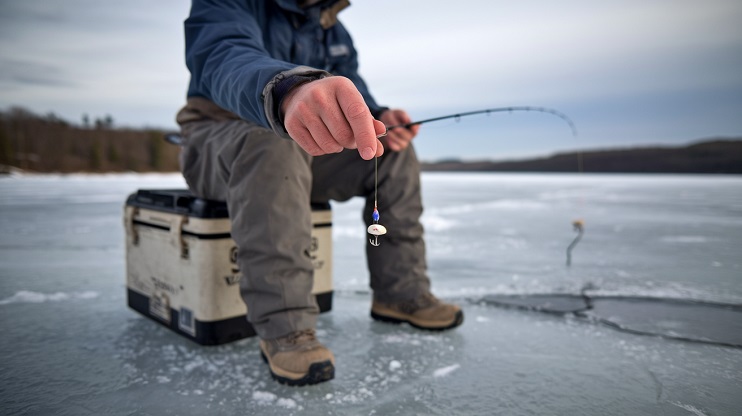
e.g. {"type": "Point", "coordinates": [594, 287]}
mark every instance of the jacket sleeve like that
{"type": "Point", "coordinates": [229, 63]}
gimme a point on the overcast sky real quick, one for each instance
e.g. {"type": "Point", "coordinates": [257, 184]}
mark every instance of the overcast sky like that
{"type": "Point", "coordinates": [627, 72]}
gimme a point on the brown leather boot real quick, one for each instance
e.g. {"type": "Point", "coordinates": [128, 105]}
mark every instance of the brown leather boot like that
{"type": "Point", "coordinates": [424, 312]}
{"type": "Point", "coordinates": [298, 359]}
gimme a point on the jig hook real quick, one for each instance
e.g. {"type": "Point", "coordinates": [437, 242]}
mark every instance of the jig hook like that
{"type": "Point", "coordinates": [376, 230]}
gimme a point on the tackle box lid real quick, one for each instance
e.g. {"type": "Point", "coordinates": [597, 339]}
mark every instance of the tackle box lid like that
{"type": "Point", "coordinates": [178, 201]}
{"type": "Point", "coordinates": [183, 202]}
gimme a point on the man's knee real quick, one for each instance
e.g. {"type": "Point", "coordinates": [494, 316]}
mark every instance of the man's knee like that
{"type": "Point", "coordinates": [403, 168]}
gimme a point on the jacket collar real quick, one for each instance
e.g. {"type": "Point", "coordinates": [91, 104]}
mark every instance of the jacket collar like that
{"type": "Point", "coordinates": [324, 10]}
{"type": "Point", "coordinates": [292, 6]}
{"type": "Point", "coordinates": [289, 5]}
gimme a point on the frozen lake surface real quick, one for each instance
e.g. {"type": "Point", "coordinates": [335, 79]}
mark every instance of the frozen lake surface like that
{"type": "Point", "coordinates": [70, 346]}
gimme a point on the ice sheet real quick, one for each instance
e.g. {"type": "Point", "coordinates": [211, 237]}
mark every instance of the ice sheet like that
{"type": "Point", "coordinates": [70, 345]}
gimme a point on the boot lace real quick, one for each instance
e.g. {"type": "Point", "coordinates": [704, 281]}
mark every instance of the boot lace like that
{"type": "Point", "coordinates": [298, 337]}
{"type": "Point", "coordinates": [411, 306]}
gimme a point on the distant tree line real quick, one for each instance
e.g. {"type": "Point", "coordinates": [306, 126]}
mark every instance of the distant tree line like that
{"type": "Point", "coordinates": [50, 144]}
{"type": "Point", "coordinates": [714, 155]}
{"type": "Point", "coordinates": [105, 122]}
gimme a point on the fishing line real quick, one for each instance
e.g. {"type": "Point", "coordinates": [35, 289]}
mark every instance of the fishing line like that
{"type": "Point", "coordinates": [375, 228]}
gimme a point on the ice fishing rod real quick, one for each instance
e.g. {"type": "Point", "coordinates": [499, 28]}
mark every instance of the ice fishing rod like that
{"type": "Point", "coordinates": [578, 225]}
{"type": "Point", "coordinates": [489, 111]}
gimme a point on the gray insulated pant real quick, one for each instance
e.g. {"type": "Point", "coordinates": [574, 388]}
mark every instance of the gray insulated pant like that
{"type": "Point", "coordinates": [268, 183]}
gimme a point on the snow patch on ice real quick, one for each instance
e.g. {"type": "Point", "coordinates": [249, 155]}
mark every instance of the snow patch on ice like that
{"type": "Point", "coordinates": [408, 338]}
{"type": "Point", "coordinates": [533, 287]}
{"type": "Point", "coordinates": [27, 296]}
{"type": "Point", "coordinates": [353, 396]}
{"type": "Point", "coordinates": [442, 372]}
{"type": "Point", "coordinates": [435, 223]}
{"type": "Point", "coordinates": [264, 397]}
{"type": "Point", "coordinates": [691, 409]}
{"type": "Point", "coordinates": [394, 365]}
{"type": "Point", "coordinates": [685, 239]}
{"type": "Point", "coordinates": [287, 403]}
{"type": "Point", "coordinates": [86, 295]}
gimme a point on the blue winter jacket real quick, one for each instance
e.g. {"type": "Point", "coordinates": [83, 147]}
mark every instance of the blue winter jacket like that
{"type": "Point", "coordinates": [238, 50]}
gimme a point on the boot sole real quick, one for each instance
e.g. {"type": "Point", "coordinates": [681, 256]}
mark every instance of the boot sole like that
{"type": "Point", "coordinates": [458, 320]}
{"type": "Point", "coordinates": [318, 372]}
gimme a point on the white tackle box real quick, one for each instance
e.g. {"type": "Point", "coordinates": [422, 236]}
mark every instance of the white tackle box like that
{"type": "Point", "coordinates": [181, 266]}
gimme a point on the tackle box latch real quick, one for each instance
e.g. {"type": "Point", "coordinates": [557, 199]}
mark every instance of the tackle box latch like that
{"type": "Point", "coordinates": [176, 236]}
{"type": "Point", "coordinates": [131, 231]}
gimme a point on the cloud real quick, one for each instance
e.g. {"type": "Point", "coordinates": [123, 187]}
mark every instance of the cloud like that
{"type": "Point", "coordinates": [547, 50]}
{"type": "Point", "coordinates": [15, 74]}
{"type": "Point", "coordinates": [631, 70]}
{"type": "Point", "coordinates": [74, 57]}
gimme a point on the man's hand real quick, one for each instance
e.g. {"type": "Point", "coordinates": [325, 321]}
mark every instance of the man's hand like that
{"type": "Point", "coordinates": [399, 138]}
{"type": "Point", "coordinates": [329, 115]}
